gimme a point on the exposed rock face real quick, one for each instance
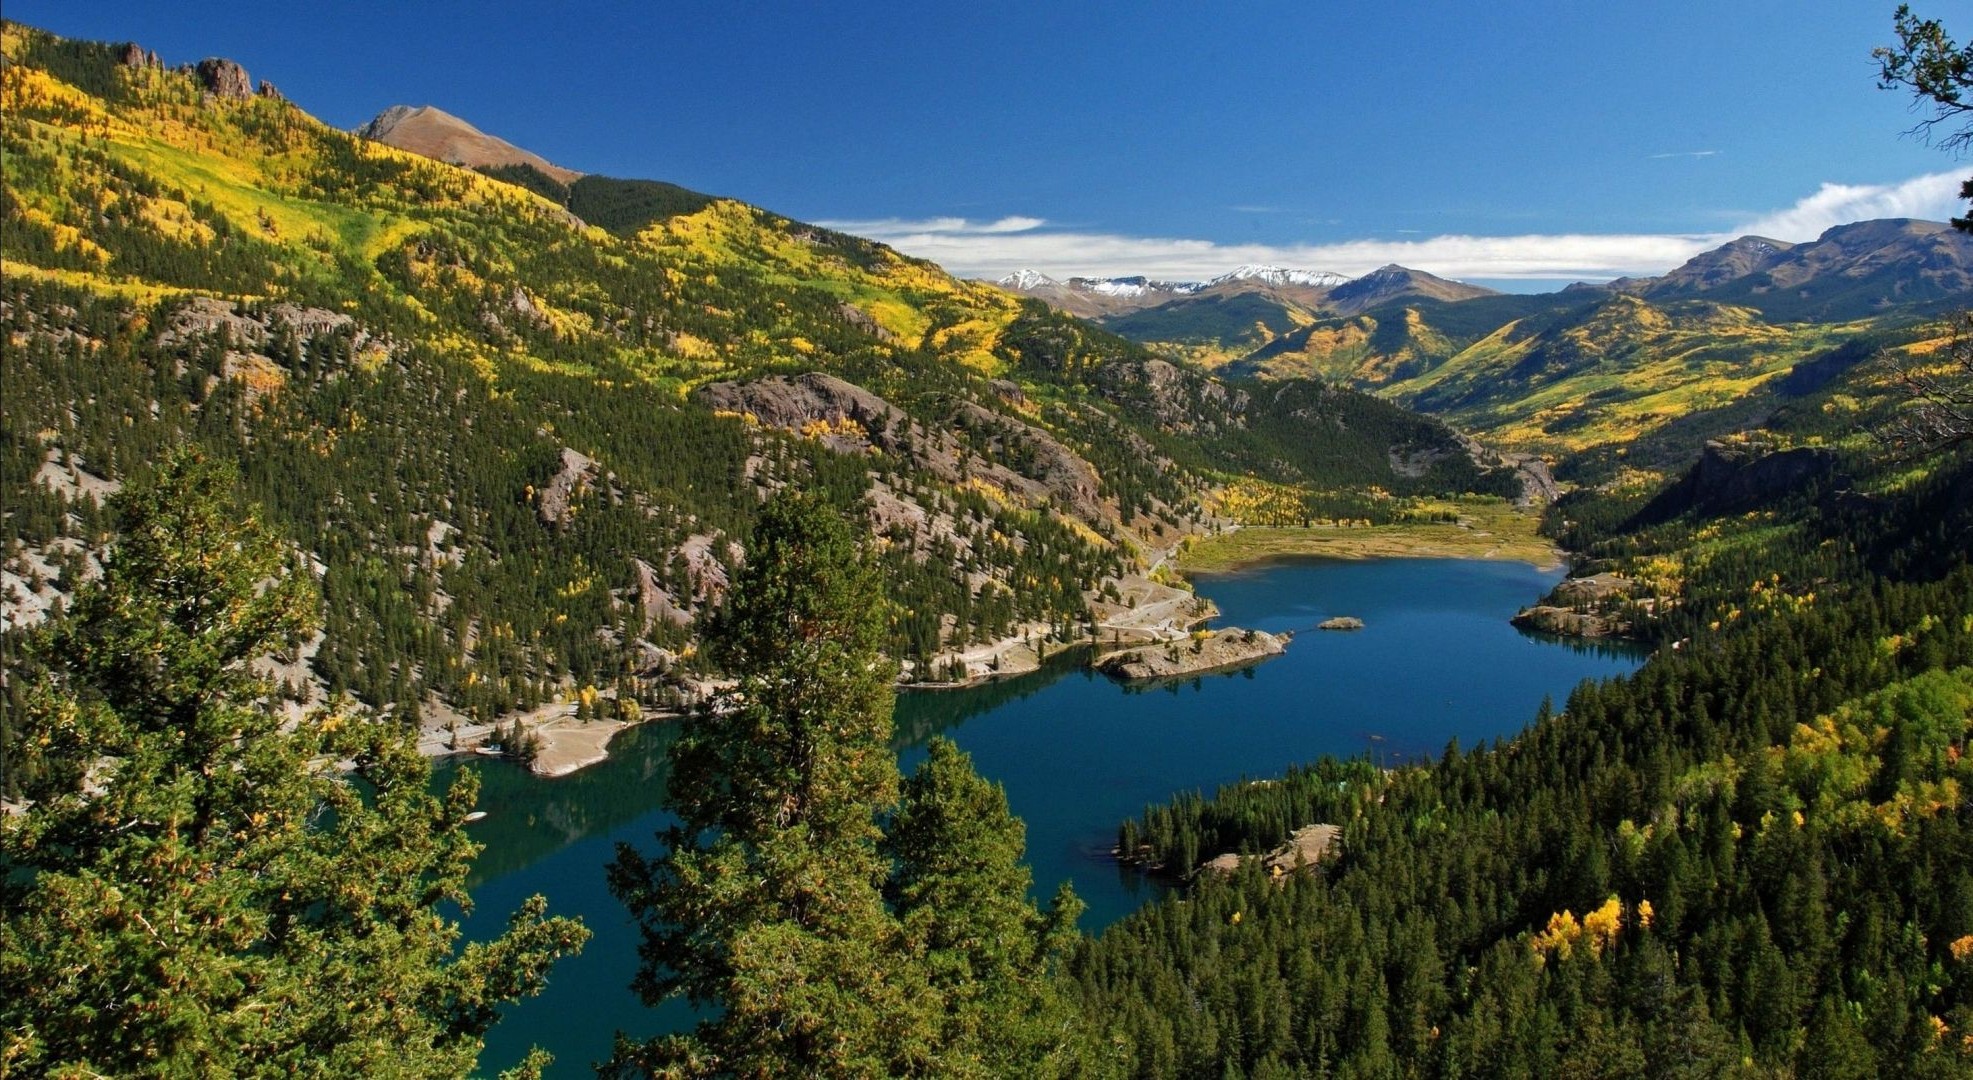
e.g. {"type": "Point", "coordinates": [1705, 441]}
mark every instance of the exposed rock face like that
{"type": "Point", "coordinates": [553, 503]}
{"type": "Point", "coordinates": [1304, 848]}
{"type": "Point", "coordinates": [1736, 475]}
{"type": "Point", "coordinates": [1538, 486]}
{"type": "Point", "coordinates": [1340, 622]}
{"type": "Point", "coordinates": [204, 314]}
{"type": "Point", "coordinates": [855, 417]}
{"type": "Point", "coordinates": [708, 575]}
{"type": "Point", "coordinates": [862, 320]}
{"type": "Point", "coordinates": [1224, 649]}
{"type": "Point", "coordinates": [1008, 391]}
{"type": "Point", "coordinates": [657, 604]}
{"type": "Point", "coordinates": [224, 79]}
{"type": "Point", "coordinates": [1568, 622]}
{"type": "Point", "coordinates": [249, 334]}
{"type": "Point", "coordinates": [268, 91]}
{"type": "Point", "coordinates": [1588, 607]}
{"type": "Point", "coordinates": [849, 419]}
{"type": "Point", "coordinates": [134, 55]}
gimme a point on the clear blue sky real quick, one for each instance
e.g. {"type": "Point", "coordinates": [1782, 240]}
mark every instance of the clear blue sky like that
{"type": "Point", "coordinates": [1164, 138]}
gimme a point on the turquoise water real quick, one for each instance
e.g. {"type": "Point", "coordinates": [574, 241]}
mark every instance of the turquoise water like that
{"type": "Point", "coordinates": [1077, 753]}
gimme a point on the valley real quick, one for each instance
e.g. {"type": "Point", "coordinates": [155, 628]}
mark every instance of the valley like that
{"type": "Point", "coordinates": [456, 604]}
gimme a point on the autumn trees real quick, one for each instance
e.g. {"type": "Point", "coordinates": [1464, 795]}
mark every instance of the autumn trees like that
{"type": "Point", "coordinates": [837, 928]}
{"type": "Point", "coordinates": [192, 886]}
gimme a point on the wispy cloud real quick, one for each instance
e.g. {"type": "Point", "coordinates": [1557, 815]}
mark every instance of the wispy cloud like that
{"type": "Point", "coordinates": [1934, 196]}
{"type": "Point", "coordinates": [993, 248]}
{"type": "Point", "coordinates": [1682, 153]}
{"type": "Point", "coordinates": [953, 226]}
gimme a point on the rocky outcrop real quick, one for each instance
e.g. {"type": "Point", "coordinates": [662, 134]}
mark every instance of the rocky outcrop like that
{"type": "Point", "coordinates": [1538, 486]}
{"type": "Point", "coordinates": [1588, 607]}
{"type": "Point", "coordinates": [657, 604]}
{"type": "Point", "coordinates": [1568, 622]}
{"type": "Point", "coordinates": [1340, 622]}
{"type": "Point", "coordinates": [249, 331]}
{"type": "Point", "coordinates": [1304, 848]}
{"type": "Point", "coordinates": [845, 416]}
{"type": "Point", "coordinates": [1215, 651]}
{"type": "Point", "coordinates": [204, 314]}
{"type": "Point", "coordinates": [1060, 472]}
{"type": "Point", "coordinates": [133, 55]}
{"type": "Point", "coordinates": [704, 569]}
{"type": "Point", "coordinates": [849, 419]}
{"type": "Point", "coordinates": [1734, 475]}
{"type": "Point", "coordinates": [224, 79]}
{"type": "Point", "coordinates": [864, 321]}
{"type": "Point", "coordinates": [554, 502]}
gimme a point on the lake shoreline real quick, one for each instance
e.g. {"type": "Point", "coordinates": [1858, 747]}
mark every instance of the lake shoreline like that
{"type": "Point", "coordinates": [1503, 534]}
{"type": "Point", "coordinates": [1145, 612]}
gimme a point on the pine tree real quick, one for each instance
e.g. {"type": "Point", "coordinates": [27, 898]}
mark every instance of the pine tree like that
{"type": "Point", "coordinates": [830, 948]}
{"type": "Point", "coordinates": [960, 890]}
{"type": "Point", "coordinates": [768, 898]}
{"type": "Point", "coordinates": [192, 887]}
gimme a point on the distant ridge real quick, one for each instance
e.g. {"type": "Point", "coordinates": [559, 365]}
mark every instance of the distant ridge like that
{"type": "Point", "coordinates": [1233, 313]}
{"type": "Point", "coordinates": [1394, 282]}
{"type": "Point", "coordinates": [1850, 271]}
{"type": "Point", "coordinates": [435, 133]}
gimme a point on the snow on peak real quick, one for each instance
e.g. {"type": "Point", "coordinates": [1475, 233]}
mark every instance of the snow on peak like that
{"type": "Point", "coordinates": [1026, 279]}
{"type": "Point", "coordinates": [1132, 287]}
{"type": "Point", "coordinates": [1279, 275]}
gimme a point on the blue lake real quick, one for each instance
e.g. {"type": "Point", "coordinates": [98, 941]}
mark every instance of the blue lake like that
{"type": "Point", "coordinates": [1077, 753]}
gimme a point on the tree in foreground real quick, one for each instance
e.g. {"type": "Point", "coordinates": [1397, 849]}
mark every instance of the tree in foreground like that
{"type": "Point", "coordinates": [192, 887]}
{"type": "Point", "coordinates": [1938, 411]}
{"type": "Point", "coordinates": [777, 900]}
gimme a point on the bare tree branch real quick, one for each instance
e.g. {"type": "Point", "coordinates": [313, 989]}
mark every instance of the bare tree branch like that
{"type": "Point", "coordinates": [1939, 72]}
{"type": "Point", "coordinates": [1937, 412]}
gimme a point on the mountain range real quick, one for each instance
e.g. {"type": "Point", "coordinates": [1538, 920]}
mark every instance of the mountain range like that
{"type": "Point", "coordinates": [622, 369]}
{"type": "Point", "coordinates": [518, 423]}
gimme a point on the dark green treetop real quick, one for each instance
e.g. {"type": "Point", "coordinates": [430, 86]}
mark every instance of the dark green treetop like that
{"type": "Point", "coordinates": [191, 885]}
{"type": "Point", "coordinates": [777, 898]}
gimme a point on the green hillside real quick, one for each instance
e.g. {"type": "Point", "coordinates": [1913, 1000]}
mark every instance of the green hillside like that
{"type": "Point", "coordinates": [607, 370]}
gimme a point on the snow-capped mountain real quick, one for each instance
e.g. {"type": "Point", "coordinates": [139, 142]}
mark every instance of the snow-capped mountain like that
{"type": "Point", "coordinates": [1133, 287]}
{"type": "Point", "coordinates": [1279, 276]}
{"type": "Point", "coordinates": [1026, 281]}
{"type": "Point", "coordinates": [1095, 297]}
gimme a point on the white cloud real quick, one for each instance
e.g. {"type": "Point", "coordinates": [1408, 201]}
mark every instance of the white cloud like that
{"type": "Point", "coordinates": [1934, 196]}
{"type": "Point", "coordinates": [981, 249]}
{"type": "Point", "coordinates": [995, 248]}
{"type": "Point", "coordinates": [940, 226]}
{"type": "Point", "coordinates": [1682, 153]}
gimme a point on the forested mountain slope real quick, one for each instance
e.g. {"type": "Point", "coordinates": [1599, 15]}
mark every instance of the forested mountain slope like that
{"type": "Point", "coordinates": [1591, 372]}
{"type": "Point", "coordinates": [518, 446]}
{"type": "Point", "coordinates": [1751, 858]}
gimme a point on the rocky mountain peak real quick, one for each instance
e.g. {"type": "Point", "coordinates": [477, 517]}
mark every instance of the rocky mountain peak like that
{"type": "Point", "coordinates": [224, 79]}
{"type": "Point", "coordinates": [435, 133]}
{"type": "Point", "coordinates": [1026, 279]}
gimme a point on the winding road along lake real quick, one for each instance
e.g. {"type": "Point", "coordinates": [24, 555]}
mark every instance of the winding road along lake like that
{"type": "Point", "coordinates": [1436, 660]}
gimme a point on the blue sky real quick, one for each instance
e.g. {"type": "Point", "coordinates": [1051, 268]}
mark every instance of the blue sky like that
{"type": "Point", "coordinates": [1523, 143]}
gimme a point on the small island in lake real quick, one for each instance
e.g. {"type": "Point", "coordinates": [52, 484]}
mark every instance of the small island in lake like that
{"type": "Point", "coordinates": [1207, 650]}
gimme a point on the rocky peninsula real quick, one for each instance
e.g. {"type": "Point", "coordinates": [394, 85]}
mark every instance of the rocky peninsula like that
{"type": "Point", "coordinates": [1203, 651]}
